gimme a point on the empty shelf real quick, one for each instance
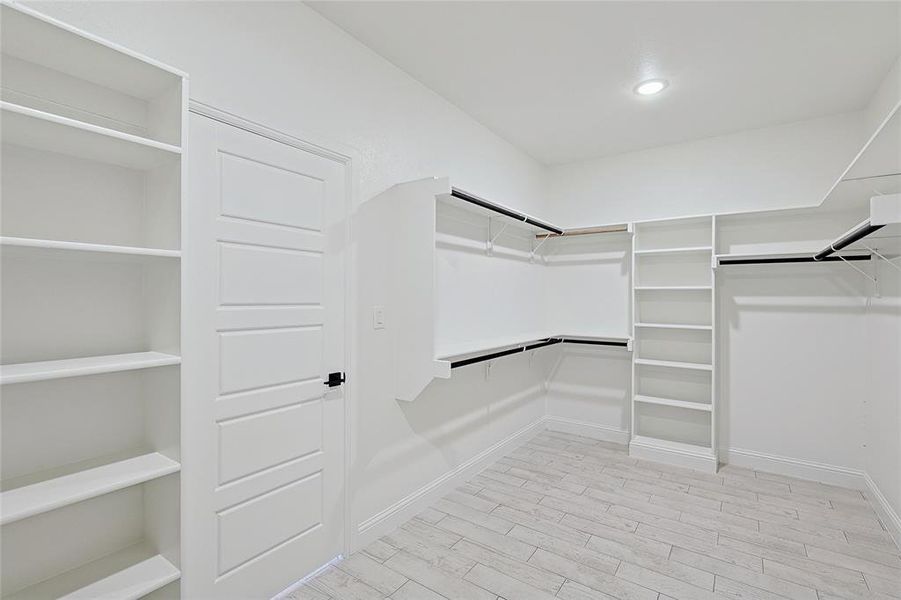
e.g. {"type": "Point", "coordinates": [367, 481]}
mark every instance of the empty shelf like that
{"type": "Point", "coordinates": [29, 500]}
{"type": "Point", "coordinates": [16, 246]}
{"type": "Point", "coordinates": [674, 326]}
{"type": "Point", "coordinates": [676, 250]}
{"type": "Point", "coordinates": [670, 402]}
{"type": "Point", "coordinates": [673, 288]}
{"type": "Point", "coordinates": [128, 574]}
{"type": "Point", "coordinates": [652, 442]}
{"type": "Point", "coordinates": [673, 364]}
{"type": "Point", "coordinates": [92, 365]}
{"type": "Point", "coordinates": [32, 128]}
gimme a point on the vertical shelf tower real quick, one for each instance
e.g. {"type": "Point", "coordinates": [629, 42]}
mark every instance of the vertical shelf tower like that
{"type": "Point", "coordinates": [674, 358]}
{"type": "Point", "coordinates": [90, 245]}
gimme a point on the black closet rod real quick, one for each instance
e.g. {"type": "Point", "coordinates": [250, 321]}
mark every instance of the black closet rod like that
{"type": "Point", "coordinates": [532, 346]}
{"type": "Point", "coordinates": [793, 259]}
{"type": "Point", "coordinates": [503, 210]}
{"type": "Point", "coordinates": [859, 232]}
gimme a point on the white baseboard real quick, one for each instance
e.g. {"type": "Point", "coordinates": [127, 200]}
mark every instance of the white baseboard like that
{"type": "Point", "coordinates": [586, 429]}
{"type": "Point", "coordinates": [795, 467]}
{"type": "Point", "coordinates": [884, 509]}
{"type": "Point", "coordinates": [407, 507]}
{"type": "Point", "coordinates": [670, 453]}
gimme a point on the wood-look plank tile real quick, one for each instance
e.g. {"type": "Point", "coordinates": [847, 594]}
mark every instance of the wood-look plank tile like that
{"type": "Point", "coordinates": [628, 538]}
{"type": "Point", "coordinates": [754, 578]}
{"type": "Point", "coordinates": [308, 593]}
{"type": "Point", "coordinates": [436, 556]}
{"type": "Point", "coordinates": [372, 573]}
{"type": "Point", "coordinates": [510, 490]}
{"type": "Point", "coordinates": [676, 588]}
{"type": "Point", "coordinates": [415, 591]}
{"type": "Point", "coordinates": [523, 571]}
{"type": "Point", "coordinates": [472, 499]}
{"type": "Point", "coordinates": [883, 586]}
{"type": "Point", "coordinates": [500, 543]}
{"type": "Point", "coordinates": [504, 585]}
{"type": "Point", "coordinates": [736, 590]}
{"type": "Point", "coordinates": [380, 550]}
{"type": "Point", "coordinates": [842, 574]}
{"type": "Point", "coordinates": [488, 521]}
{"type": "Point", "coordinates": [653, 562]}
{"type": "Point", "coordinates": [637, 516]}
{"type": "Point", "coordinates": [867, 567]}
{"type": "Point", "coordinates": [446, 584]}
{"type": "Point", "coordinates": [578, 554]}
{"type": "Point", "coordinates": [335, 582]}
{"type": "Point", "coordinates": [576, 591]}
{"type": "Point", "coordinates": [534, 509]}
{"type": "Point", "coordinates": [579, 518]}
{"type": "Point", "coordinates": [592, 578]}
{"type": "Point", "coordinates": [560, 530]}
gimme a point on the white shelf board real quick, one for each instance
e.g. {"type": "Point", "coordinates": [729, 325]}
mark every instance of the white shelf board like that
{"type": "Point", "coordinates": [37, 129]}
{"type": "Point", "coordinates": [675, 250]}
{"type": "Point", "coordinates": [456, 350]}
{"type": "Point", "coordinates": [673, 288]}
{"type": "Point", "coordinates": [675, 403]}
{"type": "Point", "coordinates": [16, 246]}
{"type": "Point", "coordinates": [498, 344]}
{"type": "Point", "coordinates": [642, 440]}
{"type": "Point", "coordinates": [128, 574]}
{"type": "Point", "coordinates": [34, 37]}
{"type": "Point", "coordinates": [91, 365]}
{"type": "Point", "coordinates": [29, 500]}
{"type": "Point", "coordinates": [674, 326]}
{"type": "Point", "coordinates": [673, 364]}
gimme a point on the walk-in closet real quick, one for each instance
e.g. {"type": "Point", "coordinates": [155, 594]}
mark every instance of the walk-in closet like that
{"type": "Point", "coordinates": [371, 300]}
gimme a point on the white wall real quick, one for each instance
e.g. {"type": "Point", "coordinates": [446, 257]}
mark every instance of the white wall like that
{"type": "Point", "coordinates": [778, 167]}
{"type": "Point", "coordinates": [283, 65]}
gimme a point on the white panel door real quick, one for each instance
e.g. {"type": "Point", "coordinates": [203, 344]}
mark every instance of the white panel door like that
{"type": "Point", "coordinates": [263, 435]}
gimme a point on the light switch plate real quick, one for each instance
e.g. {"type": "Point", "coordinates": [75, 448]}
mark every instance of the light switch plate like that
{"type": "Point", "coordinates": [378, 317]}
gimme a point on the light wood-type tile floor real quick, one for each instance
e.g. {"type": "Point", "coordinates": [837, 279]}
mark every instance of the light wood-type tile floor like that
{"type": "Point", "coordinates": [577, 519]}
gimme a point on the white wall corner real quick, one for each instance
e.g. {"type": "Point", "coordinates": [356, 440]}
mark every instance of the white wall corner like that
{"type": "Point", "coordinates": [884, 509]}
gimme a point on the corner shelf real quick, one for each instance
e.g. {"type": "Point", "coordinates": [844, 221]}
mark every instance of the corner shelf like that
{"type": "Point", "coordinates": [30, 500]}
{"type": "Point", "coordinates": [129, 574]}
{"type": "Point", "coordinates": [16, 246]}
{"type": "Point", "coordinates": [92, 365]}
{"type": "Point", "coordinates": [41, 130]}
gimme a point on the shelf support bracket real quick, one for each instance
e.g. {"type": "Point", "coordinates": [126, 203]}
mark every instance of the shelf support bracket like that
{"type": "Point", "coordinates": [538, 247]}
{"type": "Point", "coordinates": [493, 238]}
{"type": "Point", "coordinates": [862, 272]}
{"type": "Point", "coordinates": [890, 261]}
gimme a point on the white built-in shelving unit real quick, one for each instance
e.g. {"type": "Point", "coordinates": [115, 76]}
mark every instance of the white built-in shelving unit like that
{"type": "Point", "coordinates": [90, 368]}
{"type": "Point", "coordinates": [674, 357]}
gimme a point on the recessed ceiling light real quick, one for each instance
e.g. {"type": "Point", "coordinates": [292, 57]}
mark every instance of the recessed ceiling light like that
{"type": "Point", "coordinates": [651, 87]}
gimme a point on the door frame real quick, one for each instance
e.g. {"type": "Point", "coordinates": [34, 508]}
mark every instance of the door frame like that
{"type": "Point", "coordinates": [350, 158]}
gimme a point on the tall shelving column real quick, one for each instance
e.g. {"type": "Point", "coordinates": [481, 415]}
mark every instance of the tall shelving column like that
{"type": "Point", "coordinates": [674, 358]}
{"type": "Point", "coordinates": [92, 138]}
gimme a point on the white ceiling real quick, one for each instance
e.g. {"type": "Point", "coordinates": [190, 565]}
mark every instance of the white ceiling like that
{"type": "Point", "coordinates": [556, 78]}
